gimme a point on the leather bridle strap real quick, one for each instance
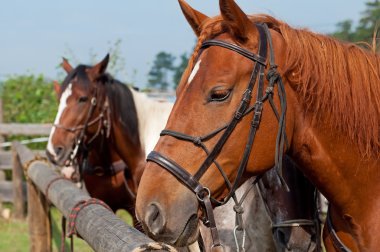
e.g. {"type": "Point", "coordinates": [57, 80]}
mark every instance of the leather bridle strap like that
{"type": "Point", "coordinates": [260, 58]}
{"type": "Point", "coordinates": [203, 194]}
{"type": "Point", "coordinates": [337, 243]}
{"type": "Point", "coordinates": [87, 120]}
{"type": "Point", "coordinates": [175, 169]}
{"type": "Point", "coordinates": [244, 102]}
{"type": "Point", "coordinates": [240, 112]}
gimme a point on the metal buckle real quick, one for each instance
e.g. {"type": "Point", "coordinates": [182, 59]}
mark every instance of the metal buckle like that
{"type": "Point", "coordinates": [204, 192]}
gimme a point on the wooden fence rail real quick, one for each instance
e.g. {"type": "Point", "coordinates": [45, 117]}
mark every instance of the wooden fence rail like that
{"type": "Point", "coordinates": [97, 225]}
{"type": "Point", "coordinates": [10, 190]}
{"type": "Point", "coordinates": [25, 129]}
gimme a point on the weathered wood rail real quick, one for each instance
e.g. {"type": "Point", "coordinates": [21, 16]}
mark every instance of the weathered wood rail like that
{"type": "Point", "coordinates": [25, 129]}
{"type": "Point", "coordinates": [97, 225]}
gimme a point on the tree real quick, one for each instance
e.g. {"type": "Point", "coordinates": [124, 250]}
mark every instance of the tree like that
{"type": "Point", "coordinates": [158, 76]}
{"type": "Point", "coordinates": [368, 22]}
{"type": "Point", "coordinates": [367, 26]}
{"type": "Point", "coordinates": [180, 68]}
{"type": "Point", "coordinates": [345, 31]}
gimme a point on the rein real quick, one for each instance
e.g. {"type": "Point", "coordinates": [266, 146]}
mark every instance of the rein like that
{"type": "Point", "coordinates": [192, 181]}
{"type": "Point", "coordinates": [337, 243]}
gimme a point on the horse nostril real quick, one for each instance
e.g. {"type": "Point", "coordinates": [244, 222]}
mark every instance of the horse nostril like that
{"type": "Point", "coordinates": [154, 219]}
{"type": "Point", "coordinates": [58, 150]}
{"type": "Point", "coordinates": [282, 238]}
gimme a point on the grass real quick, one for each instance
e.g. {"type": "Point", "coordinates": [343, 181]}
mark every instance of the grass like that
{"type": "Point", "coordinates": [14, 234]}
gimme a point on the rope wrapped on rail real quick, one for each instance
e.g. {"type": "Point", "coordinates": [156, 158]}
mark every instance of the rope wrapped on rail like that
{"type": "Point", "coordinates": [155, 246]}
{"type": "Point", "coordinates": [77, 208]}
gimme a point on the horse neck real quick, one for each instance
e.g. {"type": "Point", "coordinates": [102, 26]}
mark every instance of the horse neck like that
{"type": "Point", "coordinates": [152, 116]}
{"type": "Point", "coordinates": [333, 163]}
{"type": "Point", "coordinates": [123, 138]}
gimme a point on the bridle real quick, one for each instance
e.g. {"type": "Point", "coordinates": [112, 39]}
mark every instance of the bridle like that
{"type": "Point", "coordinates": [103, 121]}
{"type": "Point", "coordinates": [292, 223]}
{"type": "Point", "coordinates": [192, 181]}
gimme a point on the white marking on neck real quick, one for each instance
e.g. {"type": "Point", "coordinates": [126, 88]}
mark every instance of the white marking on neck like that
{"type": "Point", "coordinates": [194, 72]}
{"type": "Point", "coordinates": [152, 116]}
{"type": "Point", "coordinates": [62, 106]}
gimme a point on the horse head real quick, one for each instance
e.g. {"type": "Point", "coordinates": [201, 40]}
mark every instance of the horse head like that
{"type": "Point", "coordinates": [82, 111]}
{"type": "Point", "coordinates": [207, 148]}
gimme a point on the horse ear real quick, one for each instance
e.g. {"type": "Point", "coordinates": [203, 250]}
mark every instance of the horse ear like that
{"type": "Point", "coordinates": [66, 65]}
{"type": "Point", "coordinates": [99, 69]}
{"type": "Point", "coordinates": [236, 19]}
{"type": "Point", "coordinates": [57, 88]}
{"type": "Point", "coordinates": [194, 17]}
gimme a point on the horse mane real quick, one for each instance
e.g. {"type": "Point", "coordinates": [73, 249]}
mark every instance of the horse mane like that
{"type": "Point", "coordinates": [122, 105]}
{"type": "Point", "coordinates": [337, 82]}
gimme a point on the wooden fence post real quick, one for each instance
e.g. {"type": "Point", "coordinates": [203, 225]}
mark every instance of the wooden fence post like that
{"type": "Point", "coordinates": [38, 220]}
{"type": "Point", "coordinates": [2, 178]}
{"type": "Point", "coordinates": [38, 208]}
{"type": "Point", "coordinates": [17, 178]}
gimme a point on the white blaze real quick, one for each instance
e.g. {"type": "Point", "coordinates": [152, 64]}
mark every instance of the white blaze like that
{"type": "Point", "coordinates": [194, 72]}
{"type": "Point", "coordinates": [62, 106]}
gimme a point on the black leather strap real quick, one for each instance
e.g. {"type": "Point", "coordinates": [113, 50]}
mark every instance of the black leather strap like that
{"type": "Point", "coordinates": [337, 243]}
{"type": "Point", "coordinates": [254, 57]}
{"type": "Point", "coordinates": [181, 174]}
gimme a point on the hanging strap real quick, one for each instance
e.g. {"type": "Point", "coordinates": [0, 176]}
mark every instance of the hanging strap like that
{"type": "Point", "coordinates": [337, 243]}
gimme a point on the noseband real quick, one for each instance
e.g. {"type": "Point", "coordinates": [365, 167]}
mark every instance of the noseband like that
{"type": "Point", "coordinates": [192, 181]}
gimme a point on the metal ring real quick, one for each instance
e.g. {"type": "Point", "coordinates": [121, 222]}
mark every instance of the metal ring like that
{"type": "Point", "coordinates": [93, 101]}
{"type": "Point", "coordinates": [217, 245]}
{"type": "Point", "coordinates": [206, 190]}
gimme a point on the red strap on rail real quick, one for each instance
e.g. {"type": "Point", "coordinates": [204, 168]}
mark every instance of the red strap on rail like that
{"type": "Point", "coordinates": [77, 208]}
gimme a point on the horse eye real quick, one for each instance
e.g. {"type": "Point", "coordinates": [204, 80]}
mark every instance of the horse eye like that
{"type": "Point", "coordinates": [219, 95]}
{"type": "Point", "coordinates": [83, 99]}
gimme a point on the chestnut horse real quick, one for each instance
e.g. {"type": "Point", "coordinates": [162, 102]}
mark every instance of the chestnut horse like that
{"type": "Point", "coordinates": [320, 105]}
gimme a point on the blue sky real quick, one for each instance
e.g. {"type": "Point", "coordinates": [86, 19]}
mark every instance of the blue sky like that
{"type": "Point", "coordinates": [36, 34]}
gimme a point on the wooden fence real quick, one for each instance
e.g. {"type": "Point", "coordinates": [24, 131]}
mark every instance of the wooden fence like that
{"type": "Point", "coordinates": [15, 191]}
{"type": "Point", "coordinates": [97, 225]}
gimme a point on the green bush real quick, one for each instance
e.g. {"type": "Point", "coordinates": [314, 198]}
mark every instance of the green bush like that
{"type": "Point", "coordinates": [28, 99]}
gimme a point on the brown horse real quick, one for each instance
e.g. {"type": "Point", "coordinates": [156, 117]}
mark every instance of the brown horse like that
{"type": "Point", "coordinates": [294, 213]}
{"type": "Point", "coordinates": [104, 174]}
{"type": "Point", "coordinates": [101, 133]}
{"type": "Point", "coordinates": [104, 128]}
{"type": "Point", "coordinates": [321, 105]}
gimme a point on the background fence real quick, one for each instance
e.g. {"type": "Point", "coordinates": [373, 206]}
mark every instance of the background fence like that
{"type": "Point", "coordinates": [14, 190]}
